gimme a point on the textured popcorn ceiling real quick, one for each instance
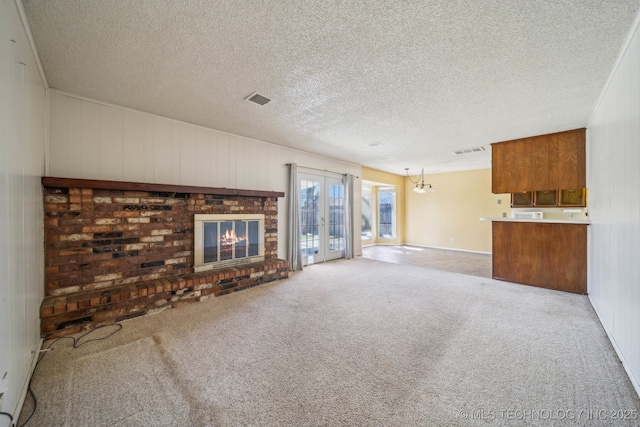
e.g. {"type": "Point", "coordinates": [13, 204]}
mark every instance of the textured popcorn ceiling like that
{"type": "Point", "coordinates": [422, 78]}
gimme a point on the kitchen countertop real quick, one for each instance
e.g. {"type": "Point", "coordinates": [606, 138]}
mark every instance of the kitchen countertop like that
{"type": "Point", "coordinates": [547, 221]}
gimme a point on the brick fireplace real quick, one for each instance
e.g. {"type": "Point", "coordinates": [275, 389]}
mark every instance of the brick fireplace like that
{"type": "Point", "coordinates": [118, 250]}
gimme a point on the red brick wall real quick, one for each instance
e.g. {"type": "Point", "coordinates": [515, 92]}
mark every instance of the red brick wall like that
{"type": "Point", "coordinates": [96, 239]}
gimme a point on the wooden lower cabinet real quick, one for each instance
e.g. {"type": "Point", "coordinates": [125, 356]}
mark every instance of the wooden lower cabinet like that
{"type": "Point", "coordinates": [546, 255]}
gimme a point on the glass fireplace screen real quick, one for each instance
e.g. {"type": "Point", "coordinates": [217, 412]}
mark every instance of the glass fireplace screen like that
{"type": "Point", "coordinates": [222, 240]}
{"type": "Point", "coordinates": [230, 240]}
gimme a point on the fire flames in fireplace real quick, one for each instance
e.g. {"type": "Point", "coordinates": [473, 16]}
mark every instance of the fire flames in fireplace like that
{"type": "Point", "coordinates": [229, 238]}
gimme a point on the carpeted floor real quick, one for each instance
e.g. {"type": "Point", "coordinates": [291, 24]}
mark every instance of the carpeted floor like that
{"type": "Point", "coordinates": [471, 263]}
{"type": "Point", "coordinates": [347, 343]}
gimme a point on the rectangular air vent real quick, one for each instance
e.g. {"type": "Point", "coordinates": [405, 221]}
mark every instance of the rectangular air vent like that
{"type": "Point", "coordinates": [374, 145]}
{"type": "Point", "coordinates": [469, 150]}
{"type": "Point", "coordinates": [258, 99]}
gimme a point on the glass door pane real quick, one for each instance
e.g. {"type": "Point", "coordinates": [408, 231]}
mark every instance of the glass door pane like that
{"type": "Point", "coordinates": [335, 212]}
{"type": "Point", "coordinates": [310, 219]}
{"type": "Point", "coordinates": [322, 218]}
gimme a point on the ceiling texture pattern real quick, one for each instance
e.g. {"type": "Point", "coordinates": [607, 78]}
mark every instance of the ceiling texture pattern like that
{"type": "Point", "coordinates": [420, 78]}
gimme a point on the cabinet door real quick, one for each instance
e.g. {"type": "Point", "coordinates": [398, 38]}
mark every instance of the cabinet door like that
{"type": "Point", "coordinates": [544, 163]}
{"type": "Point", "coordinates": [518, 156]}
{"type": "Point", "coordinates": [545, 198]}
{"type": "Point", "coordinates": [552, 256]}
{"type": "Point", "coordinates": [511, 166]}
{"type": "Point", "coordinates": [573, 198]}
{"type": "Point", "coordinates": [572, 158]}
{"type": "Point", "coordinates": [522, 200]}
{"type": "Point", "coordinates": [498, 180]}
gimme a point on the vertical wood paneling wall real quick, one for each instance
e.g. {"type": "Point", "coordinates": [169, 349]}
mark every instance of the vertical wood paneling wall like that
{"type": "Point", "coordinates": [22, 154]}
{"type": "Point", "coordinates": [90, 140]}
{"type": "Point", "coordinates": [613, 179]}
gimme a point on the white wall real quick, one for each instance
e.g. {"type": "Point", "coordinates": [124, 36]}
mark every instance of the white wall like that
{"type": "Point", "coordinates": [613, 179]}
{"type": "Point", "coordinates": [91, 140]}
{"type": "Point", "coordinates": [22, 152]}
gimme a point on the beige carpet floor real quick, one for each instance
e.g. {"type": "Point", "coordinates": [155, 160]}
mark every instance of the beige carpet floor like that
{"type": "Point", "coordinates": [347, 343]}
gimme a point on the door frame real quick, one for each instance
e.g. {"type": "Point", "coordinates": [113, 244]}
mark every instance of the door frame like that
{"type": "Point", "coordinates": [324, 251]}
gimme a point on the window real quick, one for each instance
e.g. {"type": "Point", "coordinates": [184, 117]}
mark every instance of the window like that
{"type": "Point", "coordinates": [387, 212]}
{"type": "Point", "coordinates": [367, 213]}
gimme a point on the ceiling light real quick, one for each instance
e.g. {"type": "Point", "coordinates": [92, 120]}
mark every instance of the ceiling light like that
{"type": "Point", "coordinates": [420, 185]}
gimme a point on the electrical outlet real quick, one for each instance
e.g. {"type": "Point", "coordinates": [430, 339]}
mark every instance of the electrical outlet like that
{"type": "Point", "coordinates": [499, 201]}
{"type": "Point", "coordinates": [453, 240]}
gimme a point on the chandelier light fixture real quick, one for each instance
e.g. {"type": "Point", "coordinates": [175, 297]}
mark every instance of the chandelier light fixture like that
{"type": "Point", "coordinates": [421, 187]}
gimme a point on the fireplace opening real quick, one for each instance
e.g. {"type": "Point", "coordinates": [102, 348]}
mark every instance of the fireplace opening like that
{"type": "Point", "coordinates": [227, 239]}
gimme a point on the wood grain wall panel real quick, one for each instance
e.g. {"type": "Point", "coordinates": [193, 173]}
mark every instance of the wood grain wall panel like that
{"type": "Point", "coordinates": [202, 154]}
{"type": "Point", "coordinates": [169, 148]}
{"type": "Point", "coordinates": [176, 152]}
{"type": "Point", "coordinates": [58, 130]}
{"type": "Point", "coordinates": [252, 164]}
{"type": "Point", "coordinates": [213, 157]}
{"type": "Point", "coordinates": [187, 154]}
{"type": "Point", "coordinates": [75, 138]}
{"type": "Point", "coordinates": [239, 159]}
{"type": "Point", "coordinates": [91, 147]}
{"type": "Point", "coordinates": [162, 151]}
{"type": "Point", "coordinates": [223, 166]}
{"type": "Point", "coordinates": [133, 145]}
{"type": "Point", "coordinates": [149, 149]}
{"type": "Point", "coordinates": [111, 143]}
{"type": "Point", "coordinates": [613, 178]}
{"type": "Point", "coordinates": [22, 158]}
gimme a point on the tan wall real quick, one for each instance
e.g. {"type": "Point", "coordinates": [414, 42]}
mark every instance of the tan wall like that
{"type": "Point", "coordinates": [449, 216]}
{"type": "Point", "coordinates": [386, 178]}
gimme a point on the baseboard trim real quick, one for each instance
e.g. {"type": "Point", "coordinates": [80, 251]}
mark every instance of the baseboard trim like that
{"type": "Point", "coordinates": [447, 249]}
{"type": "Point", "coordinates": [634, 381]}
{"type": "Point", "coordinates": [25, 386]}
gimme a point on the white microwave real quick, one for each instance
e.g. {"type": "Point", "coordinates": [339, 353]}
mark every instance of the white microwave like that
{"type": "Point", "coordinates": [526, 215]}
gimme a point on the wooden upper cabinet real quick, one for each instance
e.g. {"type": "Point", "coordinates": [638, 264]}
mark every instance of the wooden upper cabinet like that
{"type": "Point", "coordinates": [546, 162]}
{"type": "Point", "coordinates": [511, 166]}
{"type": "Point", "coordinates": [519, 155]}
{"type": "Point", "coordinates": [513, 161]}
{"type": "Point", "coordinates": [544, 158]}
{"type": "Point", "coordinates": [499, 181]}
{"type": "Point", "coordinates": [572, 157]}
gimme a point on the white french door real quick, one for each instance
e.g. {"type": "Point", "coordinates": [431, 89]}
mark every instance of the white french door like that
{"type": "Point", "coordinates": [322, 218]}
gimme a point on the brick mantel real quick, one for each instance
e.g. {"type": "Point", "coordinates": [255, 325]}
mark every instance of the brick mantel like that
{"type": "Point", "coordinates": [56, 182]}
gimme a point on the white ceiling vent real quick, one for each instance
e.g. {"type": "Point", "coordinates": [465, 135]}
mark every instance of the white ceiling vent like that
{"type": "Point", "coordinates": [375, 145]}
{"type": "Point", "coordinates": [470, 150]}
{"type": "Point", "coordinates": [258, 99]}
